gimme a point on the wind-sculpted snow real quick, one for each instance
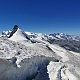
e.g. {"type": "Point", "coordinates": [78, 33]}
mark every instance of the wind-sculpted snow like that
{"type": "Point", "coordinates": [31, 68]}
{"type": "Point", "coordinates": [34, 56]}
{"type": "Point", "coordinates": [59, 71]}
{"type": "Point", "coordinates": [10, 49]}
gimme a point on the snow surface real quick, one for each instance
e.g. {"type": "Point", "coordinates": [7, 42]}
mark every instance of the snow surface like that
{"type": "Point", "coordinates": [18, 35]}
{"type": "Point", "coordinates": [59, 51]}
{"type": "Point", "coordinates": [37, 58]}
{"type": "Point", "coordinates": [58, 71]}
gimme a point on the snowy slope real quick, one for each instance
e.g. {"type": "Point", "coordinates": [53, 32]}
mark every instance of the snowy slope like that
{"type": "Point", "coordinates": [39, 57]}
{"type": "Point", "coordinates": [18, 35]}
{"type": "Point", "coordinates": [25, 67]}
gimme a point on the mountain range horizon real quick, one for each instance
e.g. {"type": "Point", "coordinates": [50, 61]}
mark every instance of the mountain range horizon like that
{"type": "Point", "coordinates": [40, 32]}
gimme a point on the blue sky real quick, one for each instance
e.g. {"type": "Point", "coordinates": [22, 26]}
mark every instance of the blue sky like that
{"type": "Point", "coordinates": [46, 16]}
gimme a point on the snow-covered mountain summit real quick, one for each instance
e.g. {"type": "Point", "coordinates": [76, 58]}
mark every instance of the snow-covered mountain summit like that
{"type": "Point", "coordinates": [17, 34]}
{"type": "Point", "coordinates": [23, 34]}
{"type": "Point", "coordinates": [37, 56]}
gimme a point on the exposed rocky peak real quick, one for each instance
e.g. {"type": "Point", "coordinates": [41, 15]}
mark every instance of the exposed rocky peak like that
{"type": "Point", "coordinates": [15, 28]}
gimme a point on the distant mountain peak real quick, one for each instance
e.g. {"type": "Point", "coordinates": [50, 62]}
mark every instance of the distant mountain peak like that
{"type": "Point", "coordinates": [18, 34]}
{"type": "Point", "coordinates": [15, 28]}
